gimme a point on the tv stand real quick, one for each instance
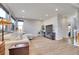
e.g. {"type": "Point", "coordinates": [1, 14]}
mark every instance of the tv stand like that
{"type": "Point", "coordinates": [50, 36]}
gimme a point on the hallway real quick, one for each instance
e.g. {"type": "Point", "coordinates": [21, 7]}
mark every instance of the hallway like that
{"type": "Point", "coordinates": [44, 46]}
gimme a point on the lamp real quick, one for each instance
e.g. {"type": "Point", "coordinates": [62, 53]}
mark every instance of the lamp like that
{"type": "Point", "coordinates": [3, 22]}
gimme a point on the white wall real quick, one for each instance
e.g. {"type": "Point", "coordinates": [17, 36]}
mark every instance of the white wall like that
{"type": "Point", "coordinates": [31, 27]}
{"type": "Point", "coordinates": [59, 33]}
{"type": "Point", "coordinates": [59, 25]}
{"type": "Point", "coordinates": [52, 21]}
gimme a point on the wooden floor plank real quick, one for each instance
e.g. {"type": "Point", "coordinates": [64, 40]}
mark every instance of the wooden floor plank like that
{"type": "Point", "coordinates": [44, 46]}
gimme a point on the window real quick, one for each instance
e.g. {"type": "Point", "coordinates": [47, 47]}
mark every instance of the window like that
{"type": "Point", "coordinates": [13, 24]}
{"type": "Point", "coordinates": [20, 26]}
{"type": "Point", "coordinates": [12, 20]}
{"type": "Point", "coordinates": [7, 16]}
{"type": "Point", "coordinates": [2, 14]}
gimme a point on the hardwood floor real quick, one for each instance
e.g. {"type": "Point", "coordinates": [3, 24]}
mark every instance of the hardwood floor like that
{"type": "Point", "coordinates": [44, 46]}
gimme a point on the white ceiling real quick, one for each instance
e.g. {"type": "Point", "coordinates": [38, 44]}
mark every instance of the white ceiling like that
{"type": "Point", "coordinates": [40, 10]}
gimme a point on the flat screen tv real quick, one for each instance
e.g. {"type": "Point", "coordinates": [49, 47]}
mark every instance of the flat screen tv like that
{"type": "Point", "coordinates": [49, 29]}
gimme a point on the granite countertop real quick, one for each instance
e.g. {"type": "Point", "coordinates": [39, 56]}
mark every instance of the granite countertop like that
{"type": "Point", "coordinates": [4, 33]}
{"type": "Point", "coordinates": [19, 45]}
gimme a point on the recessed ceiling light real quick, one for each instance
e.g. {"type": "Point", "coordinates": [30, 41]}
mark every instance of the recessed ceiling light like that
{"type": "Point", "coordinates": [56, 9]}
{"type": "Point", "coordinates": [46, 15]}
{"type": "Point", "coordinates": [23, 11]}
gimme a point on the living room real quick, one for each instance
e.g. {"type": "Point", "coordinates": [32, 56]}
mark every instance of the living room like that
{"type": "Point", "coordinates": [30, 28]}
